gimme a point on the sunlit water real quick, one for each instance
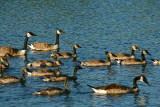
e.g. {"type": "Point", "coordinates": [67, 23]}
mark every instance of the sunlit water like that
{"type": "Point", "coordinates": [97, 26]}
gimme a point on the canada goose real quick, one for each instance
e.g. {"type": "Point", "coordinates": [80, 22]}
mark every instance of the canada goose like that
{"type": "Point", "coordinates": [125, 55]}
{"type": "Point", "coordinates": [97, 62]}
{"type": "Point", "coordinates": [4, 61]}
{"type": "Point", "coordinates": [155, 62]}
{"type": "Point", "coordinates": [47, 46]}
{"type": "Point", "coordinates": [67, 54]}
{"type": "Point", "coordinates": [62, 77]}
{"type": "Point", "coordinates": [118, 88]}
{"type": "Point", "coordinates": [13, 51]}
{"type": "Point", "coordinates": [133, 61]}
{"type": "Point", "coordinates": [40, 72]}
{"type": "Point", "coordinates": [44, 63]}
{"type": "Point", "coordinates": [12, 79]}
{"type": "Point", "coordinates": [54, 90]}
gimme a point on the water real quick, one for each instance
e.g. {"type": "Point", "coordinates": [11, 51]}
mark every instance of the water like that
{"type": "Point", "coordinates": [97, 26]}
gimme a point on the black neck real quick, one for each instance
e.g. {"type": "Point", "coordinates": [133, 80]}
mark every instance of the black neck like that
{"type": "Point", "coordinates": [75, 74]}
{"type": "Point", "coordinates": [25, 43]}
{"type": "Point", "coordinates": [132, 51]}
{"type": "Point", "coordinates": [22, 76]}
{"type": "Point", "coordinates": [74, 54]}
{"type": "Point", "coordinates": [135, 82]}
{"type": "Point", "coordinates": [57, 39]}
{"type": "Point", "coordinates": [108, 59]}
{"type": "Point", "coordinates": [143, 57]}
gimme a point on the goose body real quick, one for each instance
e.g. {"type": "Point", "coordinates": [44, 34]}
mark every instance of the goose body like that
{"type": "Point", "coordinates": [123, 56]}
{"type": "Point", "coordinates": [133, 61]}
{"type": "Point", "coordinates": [40, 72]}
{"type": "Point", "coordinates": [62, 77]}
{"type": "Point", "coordinates": [14, 51]}
{"type": "Point", "coordinates": [53, 90]}
{"type": "Point", "coordinates": [68, 54]}
{"type": "Point", "coordinates": [97, 62]}
{"type": "Point", "coordinates": [46, 46]}
{"type": "Point", "coordinates": [40, 63]}
{"type": "Point", "coordinates": [12, 79]}
{"type": "Point", "coordinates": [4, 62]}
{"type": "Point", "coordinates": [118, 88]}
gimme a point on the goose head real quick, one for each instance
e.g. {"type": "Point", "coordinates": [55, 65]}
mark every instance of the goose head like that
{"type": "Point", "coordinates": [135, 47]}
{"type": "Point", "coordinates": [29, 34]}
{"type": "Point", "coordinates": [142, 78]}
{"type": "Point", "coordinates": [59, 31]}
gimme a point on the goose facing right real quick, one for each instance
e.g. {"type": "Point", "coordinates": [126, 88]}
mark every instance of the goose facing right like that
{"type": "Point", "coordinates": [47, 46]}
{"type": "Point", "coordinates": [118, 88]}
{"type": "Point", "coordinates": [54, 90]}
{"type": "Point", "coordinates": [14, 51]}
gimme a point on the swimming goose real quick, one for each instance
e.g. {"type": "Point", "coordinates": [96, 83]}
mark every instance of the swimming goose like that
{"type": "Point", "coordinates": [40, 72]}
{"type": "Point", "coordinates": [44, 63]}
{"type": "Point", "coordinates": [62, 77]}
{"type": "Point", "coordinates": [118, 88]}
{"type": "Point", "coordinates": [13, 51]}
{"type": "Point", "coordinates": [67, 54]}
{"type": "Point", "coordinates": [133, 61]}
{"type": "Point", "coordinates": [155, 62]}
{"type": "Point", "coordinates": [125, 55]}
{"type": "Point", "coordinates": [97, 62]}
{"type": "Point", "coordinates": [12, 79]}
{"type": "Point", "coordinates": [47, 46]}
{"type": "Point", "coordinates": [54, 90]}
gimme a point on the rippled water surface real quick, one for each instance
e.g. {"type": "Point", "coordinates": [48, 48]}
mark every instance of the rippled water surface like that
{"type": "Point", "coordinates": [97, 26]}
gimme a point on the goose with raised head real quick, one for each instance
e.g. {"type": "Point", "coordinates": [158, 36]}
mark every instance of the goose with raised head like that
{"type": "Point", "coordinates": [133, 61]}
{"type": "Point", "coordinates": [125, 55]}
{"type": "Point", "coordinates": [47, 46]}
{"type": "Point", "coordinates": [54, 90]}
{"type": "Point", "coordinates": [40, 72]}
{"type": "Point", "coordinates": [118, 88]}
{"type": "Point", "coordinates": [155, 62]}
{"type": "Point", "coordinates": [62, 77]}
{"type": "Point", "coordinates": [14, 51]}
{"type": "Point", "coordinates": [68, 54]}
{"type": "Point", "coordinates": [12, 79]}
{"type": "Point", "coordinates": [97, 62]}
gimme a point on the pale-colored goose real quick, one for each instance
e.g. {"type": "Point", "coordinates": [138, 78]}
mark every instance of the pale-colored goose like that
{"type": "Point", "coordinates": [13, 51]}
{"type": "Point", "coordinates": [133, 61]}
{"type": "Point", "coordinates": [125, 55]}
{"type": "Point", "coordinates": [118, 88]}
{"type": "Point", "coordinates": [97, 62]}
{"type": "Point", "coordinates": [68, 54]}
{"type": "Point", "coordinates": [62, 77]}
{"type": "Point", "coordinates": [54, 90]}
{"type": "Point", "coordinates": [12, 79]}
{"type": "Point", "coordinates": [47, 46]}
{"type": "Point", "coordinates": [44, 63]}
{"type": "Point", "coordinates": [155, 62]}
{"type": "Point", "coordinates": [40, 72]}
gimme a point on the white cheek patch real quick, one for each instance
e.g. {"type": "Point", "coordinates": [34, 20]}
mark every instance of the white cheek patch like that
{"type": "Point", "coordinates": [141, 79]}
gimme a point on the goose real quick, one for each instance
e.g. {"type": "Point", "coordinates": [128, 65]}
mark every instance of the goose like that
{"type": "Point", "coordinates": [46, 46]}
{"type": "Point", "coordinates": [125, 55]}
{"type": "Point", "coordinates": [54, 90]}
{"type": "Point", "coordinates": [14, 51]}
{"type": "Point", "coordinates": [97, 62]}
{"type": "Point", "coordinates": [118, 88]}
{"type": "Point", "coordinates": [68, 54]}
{"type": "Point", "coordinates": [155, 62]}
{"type": "Point", "coordinates": [4, 61]}
{"type": "Point", "coordinates": [12, 79]}
{"type": "Point", "coordinates": [44, 63]}
{"type": "Point", "coordinates": [133, 61]}
{"type": "Point", "coordinates": [62, 77]}
{"type": "Point", "coordinates": [40, 72]}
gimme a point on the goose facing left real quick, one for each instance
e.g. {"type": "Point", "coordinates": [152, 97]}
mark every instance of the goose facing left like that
{"type": "Point", "coordinates": [12, 79]}
{"type": "Point", "coordinates": [14, 51]}
{"type": "Point", "coordinates": [118, 88]}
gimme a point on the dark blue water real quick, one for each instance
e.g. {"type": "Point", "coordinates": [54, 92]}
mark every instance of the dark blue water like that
{"type": "Point", "coordinates": [97, 26]}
